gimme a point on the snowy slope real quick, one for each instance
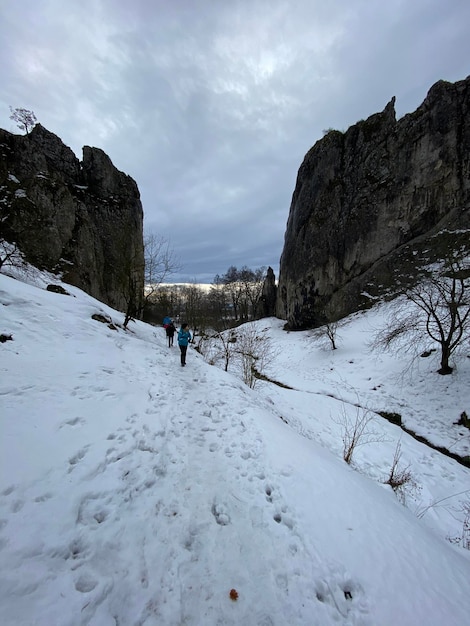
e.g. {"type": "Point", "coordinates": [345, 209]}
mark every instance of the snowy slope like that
{"type": "Point", "coordinates": [137, 492]}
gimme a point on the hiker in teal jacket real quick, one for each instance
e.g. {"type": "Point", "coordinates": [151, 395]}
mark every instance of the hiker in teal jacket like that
{"type": "Point", "coordinates": [184, 337]}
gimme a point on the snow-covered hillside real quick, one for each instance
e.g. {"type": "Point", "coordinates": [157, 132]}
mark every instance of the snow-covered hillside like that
{"type": "Point", "coordinates": [137, 492]}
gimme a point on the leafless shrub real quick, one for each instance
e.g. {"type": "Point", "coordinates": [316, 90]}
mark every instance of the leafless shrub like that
{"type": "Point", "coordinates": [249, 350]}
{"type": "Point", "coordinates": [254, 352]}
{"type": "Point", "coordinates": [462, 514]}
{"type": "Point", "coordinates": [442, 502]}
{"type": "Point", "coordinates": [466, 525]}
{"type": "Point", "coordinates": [357, 431]}
{"type": "Point", "coordinates": [10, 256]}
{"type": "Point", "coordinates": [218, 347]}
{"type": "Point", "coordinates": [13, 263]}
{"type": "Point", "coordinates": [400, 479]}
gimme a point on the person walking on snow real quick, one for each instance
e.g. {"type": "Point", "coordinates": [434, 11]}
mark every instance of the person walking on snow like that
{"type": "Point", "coordinates": [184, 337]}
{"type": "Point", "coordinates": [170, 333]}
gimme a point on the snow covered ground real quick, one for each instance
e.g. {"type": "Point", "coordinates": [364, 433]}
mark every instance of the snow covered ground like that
{"type": "Point", "coordinates": [137, 492]}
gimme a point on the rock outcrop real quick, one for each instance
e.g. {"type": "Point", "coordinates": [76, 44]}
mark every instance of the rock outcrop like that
{"type": "Point", "coordinates": [368, 198]}
{"type": "Point", "coordinates": [81, 219]}
{"type": "Point", "coordinates": [267, 303]}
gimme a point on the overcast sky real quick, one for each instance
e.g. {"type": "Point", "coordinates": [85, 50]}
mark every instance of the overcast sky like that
{"type": "Point", "coordinates": [211, 105]}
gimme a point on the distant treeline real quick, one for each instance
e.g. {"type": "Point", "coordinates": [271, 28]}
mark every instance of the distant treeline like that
{"type": "Point", "coordinates": [232, 298]}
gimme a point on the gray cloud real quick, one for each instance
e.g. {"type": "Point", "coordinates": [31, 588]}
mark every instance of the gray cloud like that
{"type": "Point", "coordinates": [211, 106]}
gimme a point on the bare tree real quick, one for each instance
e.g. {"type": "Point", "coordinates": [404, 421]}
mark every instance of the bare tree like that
{"type": "Point", "coordinates": [357, 431]}
{"type": "Point", "coordinates": [8, 249]}
{"type": "Point", "coordinates": [10, 255]}
{"type": "Point", "coordinates": [7, 253]}
{"type": "Point", "coordinates": [254, 352]}
{"type": "Point", "coordinates": [234, 288]}
{"type": "Point", "coordinates": [444, 303]}
{"type": "Point", "coordinates": [220, 346]}
{"type": "Point", "coordinates": [133, 298]}
{"type": "Point", "coordinates": [160, 263]}
{"type": "Point", "coordinates": [10, 252]}
{"type": "Point", "coordinates": [244, 288]}
{"type": "Point", "coordinates": [25, 120]}
{"type": "Point", "coordinates": [247, 349]}
{"type": "Point", "coordinates": [329, 332]}
{"type": "Point", "coordinates": [219, 300]}
{"type": "Point", "coordinates": [164, 301]}
{"type": "Point", "coordinates": [252, 281]}
{"type": "Point", "coordinates": [132, 286]}
{"type": "Point", "coordinates": [193, 298]}
{"type": "Point", "coordinates": [126, 262]}
{"type": "Point", "coordinates": [436, 308]}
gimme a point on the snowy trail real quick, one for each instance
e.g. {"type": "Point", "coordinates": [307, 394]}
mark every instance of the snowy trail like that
{"type": "Point", "coordinates": [135, 556]}
{"type": "Point", "coordinates": [135, 492]}
{"type": "Point", "coordinates": [212, 512]}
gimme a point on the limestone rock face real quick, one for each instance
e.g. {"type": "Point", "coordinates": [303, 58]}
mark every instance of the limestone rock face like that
{"type": "Point", "coordinates": [82, 219]}
{"type": "Point", "coordinates": [363, 195]}
{"type": "Point", "coordinates": [267, 306]}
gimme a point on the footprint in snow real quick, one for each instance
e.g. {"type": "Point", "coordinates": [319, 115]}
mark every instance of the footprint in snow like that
{"type": "Point", "coordinates": [85, 583]}
{"type": "Point", "coordinates": [341, 593]}
{"type": "Point", "coordinates": [75, 421]}
{"type": "Point", "coordinates": [285, 519]}
{"type": "Point", "coordinates": [91, 511]}
{"type": "Point", "coordinates": [17, 505]}
{"type": "Point", "coordinates": [268, 490]}
{"type": "Point", "coordinates": [219, 511]}
{"type": "Point", "coordinates": [77, 457]}
{"type": "Point", "coordinates": [280, 515]}
{"type": "Point", "coordinates": [43, 497]}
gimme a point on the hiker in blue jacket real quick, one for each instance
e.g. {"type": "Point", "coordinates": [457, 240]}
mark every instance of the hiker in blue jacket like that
{"type": "Point", "coordinates": [184, 337]}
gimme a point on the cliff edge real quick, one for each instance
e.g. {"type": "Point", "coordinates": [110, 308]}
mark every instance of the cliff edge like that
{"type": "Point", "coordinates": [371, 198]}
{"type": "Point", "coordinates": [83, 220]}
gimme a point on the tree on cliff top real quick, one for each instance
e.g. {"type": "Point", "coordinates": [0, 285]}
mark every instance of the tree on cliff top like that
{"type": "Point", "coordinates": [25, 120]}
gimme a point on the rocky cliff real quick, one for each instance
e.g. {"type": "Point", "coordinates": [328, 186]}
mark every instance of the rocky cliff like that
{"type": "Point", "coordinates": [267, 303]}
{"type": "Point", "coordinates": [371, 198]}
{"type": "Point", "coordinates": [82, 219]}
